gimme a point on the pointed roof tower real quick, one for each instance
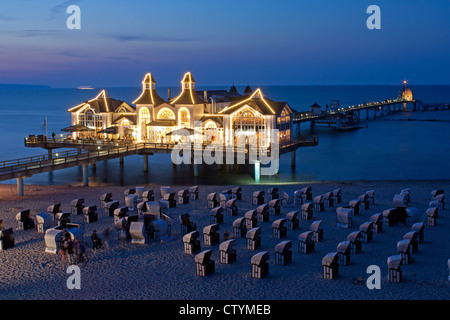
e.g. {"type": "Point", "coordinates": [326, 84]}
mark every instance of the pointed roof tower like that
{"type": "Point", "coordinates": [248, 90]}
{"type": "Point", "coordinates": [188, 94]}
{"type": "Point", "coordinates": [233, 93]}
{"type": "Point", "coordinates": [149, 94]}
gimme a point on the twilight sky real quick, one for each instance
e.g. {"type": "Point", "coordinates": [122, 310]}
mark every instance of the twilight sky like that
{"type": "Point", "coordinates": [242, 41]}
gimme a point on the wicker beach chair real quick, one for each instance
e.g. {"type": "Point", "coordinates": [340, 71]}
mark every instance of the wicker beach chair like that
{"type": "Point", "coordinates": [216, 215]}
{"type": "Point", "coordinates": [186, 224]}
{"type": "Point", "coordinates": [191, 242]}
{"type": "Point", "coordinates": [394, 267]}
{"type": "Point", "coordinates": [307, 211]}
{"type": "Point", "coordinates": [258, 197]}
{"type": "Point", "coordinates": [292, 221]}
{"type": "Point", "coordinates": [259, 264]}
{"type": "Point", "coordinates": [279, 229]}
{"type": "Point", "coordinates": [306, 242]}
{"type": "Point", "coordinates": [344, 217]}
{"type": "Point", "coordinates": [211, 235]}
{"type": "Point", "coordinates": [253, 237]}
{"type": "Point", "coordinates": [239, 227]}
{"type": "Point", "coordinates": [316, 228]}
{"type": "Point", "coordinates": [355, 241]}
{"type": "Point", "coordinates": [330, 266]}
{"type": "Point", "coordinates": [251, 219]}
{"type": "Point", "coordinates": [227, 251]}
{"type": "Point", "coordinates": [24, 220]}
{"type": "Point", "coordinates": [204, 265]}
{"type": "Point", "coordinates": [283, 253]}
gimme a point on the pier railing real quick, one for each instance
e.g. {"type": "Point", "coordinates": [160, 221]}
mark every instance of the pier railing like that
{"type": "Point", "coordinates": [50, 142]}
{"type": "Point", "coordinates": [36, 164]}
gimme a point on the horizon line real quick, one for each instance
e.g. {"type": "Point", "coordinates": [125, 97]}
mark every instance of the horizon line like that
{"type": "Point", "coordinates": [47, 86]}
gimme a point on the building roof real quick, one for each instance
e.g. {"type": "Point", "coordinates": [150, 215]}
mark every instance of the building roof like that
{"type": "Point", "coordinates": [233, 92]}
{"type": "Point", "coordinates": [149, 95]}
{"type": "Point", "coordinates": [315, 105]}
{"type": "Point", "coordinates": [188, 78]}
{"type": "Point", "coordinates": [162, 123]}
{"type": "Point", "coordinates": [248, 90]}
{"type": "Point", "coordinates": [148, 78]}
{"type": "Point", "coordinates": [187, 95]}
{"type": "Point", "coordinates": [102, 103]}
{"type": "Point", "coordinates": [129, 117]}
{"type": "Point", "coordinates": [259, 103]}
{"type": "Point", "coordinates": [216, 118]}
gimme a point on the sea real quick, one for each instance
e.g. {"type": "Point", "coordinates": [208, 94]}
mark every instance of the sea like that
{"type": "Point", "coordinates": [402, 146]}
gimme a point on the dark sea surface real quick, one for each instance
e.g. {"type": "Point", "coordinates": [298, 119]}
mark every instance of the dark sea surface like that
{"type": "Point", "coordinates": [391, 148]}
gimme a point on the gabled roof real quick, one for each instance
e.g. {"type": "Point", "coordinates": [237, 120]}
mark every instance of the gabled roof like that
{"type": "Point", "coordinates": [187, 95]}
{"type": "Point", "coordinates": [102, 103]}
{"type": "Point", "coordinates": [259, 103]}
{"type": "Point", "coordinates": [149, 95]}
{"type": "Point", "coordinates": [129, 117]}
{"type": "Point", "coordinates": [216, 118]}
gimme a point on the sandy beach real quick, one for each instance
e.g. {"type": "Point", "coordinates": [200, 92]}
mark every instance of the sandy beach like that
{"type": "Point", "coordinates": [161, 271]}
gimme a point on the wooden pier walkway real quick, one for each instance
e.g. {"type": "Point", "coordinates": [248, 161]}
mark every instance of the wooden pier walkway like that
{"type": "Point", "coordinates": [89, 152]}
{"type": "Point", "coordinates": [332, 117]}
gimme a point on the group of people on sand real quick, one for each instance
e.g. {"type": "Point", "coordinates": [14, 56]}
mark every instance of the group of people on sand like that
{"type": "Point", "coordinates": [71, 251]}
{"type": "Point", "coordinates": [74, 251]}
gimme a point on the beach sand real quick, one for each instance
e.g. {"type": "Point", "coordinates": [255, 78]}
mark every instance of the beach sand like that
{"type": "Point", "coordinates": [161, 271]}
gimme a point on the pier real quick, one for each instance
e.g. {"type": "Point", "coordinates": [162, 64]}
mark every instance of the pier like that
{"type": "Point", "coordinates": [351, 116]}
{"type": "Point", "coordinates": [89, 153]}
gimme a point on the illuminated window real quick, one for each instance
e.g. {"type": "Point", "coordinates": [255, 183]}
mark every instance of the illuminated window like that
{"type": "Point", "coordinates": [166, 114]}
{"type": "Point", "coordinates": [144, 115]}
{"type": "Point", "coordinates": [90, 119]}
{"type": "Point", "coordinates": [185, 119]}
{"type": "Point", "coordinates": [210, 125]}
{"type": "Point", "coordinates": [284, 117]}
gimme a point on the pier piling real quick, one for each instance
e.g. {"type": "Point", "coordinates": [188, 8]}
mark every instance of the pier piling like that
{"type": "Point", "coordinates": [293, 157]}
{"type": "Point", "coordinates": [85, 175]}
{"type": "Point", "coordinates": [20, 187]}
{"type": "Point", "coordinates": [145, 157]}
{"type": "Point", "coordinates": [195, 170]}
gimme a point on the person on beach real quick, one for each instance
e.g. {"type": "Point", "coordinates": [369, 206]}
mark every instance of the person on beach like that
{"type": "Point", "coordinates": [96, 241]}
{"type": "Point", "coordinates": [122, 236]}
{"type": "Point", "coordinates": [106, 236]}
{"type": "Point", "coordinates": [63, 254]}
{"type": "Point", "coordinates": [68, 245]}
{"type": "Point", "coordinates": [76, 243]}
{"type": "Point", "coordinates": [81, 250]}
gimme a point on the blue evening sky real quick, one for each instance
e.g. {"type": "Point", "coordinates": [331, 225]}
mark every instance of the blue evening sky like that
{"type": "Point", "coordinates": [242, 41]}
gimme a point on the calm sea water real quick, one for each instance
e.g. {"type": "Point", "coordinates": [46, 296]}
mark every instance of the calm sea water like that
{"type": "Point", "coordinates": [393, 150]}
